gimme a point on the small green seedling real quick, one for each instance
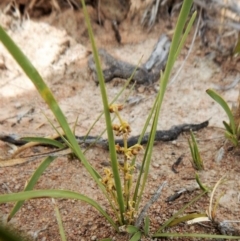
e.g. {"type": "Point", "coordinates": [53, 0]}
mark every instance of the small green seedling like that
{"type": "Point", "coordinates": [196, 161]}
{"type": "Point", "coordinates": [136, 233]}
{"type": "Point", "coordinates": [232, 128]}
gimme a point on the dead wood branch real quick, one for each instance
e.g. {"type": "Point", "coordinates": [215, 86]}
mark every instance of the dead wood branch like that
{"type": "Point", "coordinates": [148, 73]}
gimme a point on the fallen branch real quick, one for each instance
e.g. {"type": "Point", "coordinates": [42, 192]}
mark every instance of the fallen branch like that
{"type": "Point", "coordinates": [148, 73]}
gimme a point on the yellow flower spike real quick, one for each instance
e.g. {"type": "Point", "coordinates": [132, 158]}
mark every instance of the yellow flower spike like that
{"type": "Point", "coordinates": [129, 215]}
{"type": "Point", "coordinates": [115, 107]}
{"type": "Point", "coordinates": [107, 180]}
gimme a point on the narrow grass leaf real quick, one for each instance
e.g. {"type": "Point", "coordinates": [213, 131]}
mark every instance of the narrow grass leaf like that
{"type": "Point", "coordinates": [179, 212]}
{"type": "Point", "coordinates": [184, 37]}
{"type": "Point", "coordinates": [147, 156]}
{"type": "Point", "coordinates": [48, 97]}
{"type": "Point", "coordinates": [75, 125]}
{"type": "Point", "coordinates": [44, 141]}
{"type": "Point", "coordinates": [217, 203]}
{"type": "Point", "coordinates": [146, 225]}
{"type": "Point", "coordinates": [111, 141]}
{"type": "Point", "coordinates": [31, 183]}
{"type": "Point", "coordinates": [115, 98]}
{"type": "Point", "coordinates": [194, 235]}
{"type": "Point", "coordinates": [186, 6]}
{"type": "Point", "coordinates": [214, 95]}
{"type": "Point", "coordinates": [100, 135]}
{"type": "Point", "coordinates": [59, 221]}
{"type": "Point", "coordinates": [135, 195]}
{"type": "Point", "coordinates": [163, 84]}
{"type": "Point", "coordinates": [210, 211]}
{"type": "Point", "coordinates": [231, 138]}
{"type": "Point", "coordinates": [237, 47]}
{"type": "Point", "coordinates": [200, 184]}
{"type": "Point", "coordinates": [187, 217]}
{"type": "Point", "coordinates": [22, 196]}
{"type": "Point", "coordinates": [196, 157]}
{"type": "Point", "coordinates": [227, 127]}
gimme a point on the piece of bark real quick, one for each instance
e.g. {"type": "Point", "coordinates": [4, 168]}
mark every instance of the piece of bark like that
{"type": "Point", "coordinates": [148, 73]}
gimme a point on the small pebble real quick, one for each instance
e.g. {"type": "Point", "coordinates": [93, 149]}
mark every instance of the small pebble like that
{"type": "Point", "coordinates": [154, 177]}
{"type": "Point", "coordinates": [94, 227]}
{"type": "Point", "coordinates": [17, 187]}
{"type": "Point", "coordinates": [94, 237]}
{"type": "Point", "coordinates": [141, 89]}
{"type": "Point", "coordinates": [152, 192]}
{"type": "Point", "coordinates": [154, 164]}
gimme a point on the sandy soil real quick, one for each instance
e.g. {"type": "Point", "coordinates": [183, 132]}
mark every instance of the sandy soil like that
{"type": "Point", "coordinates": [58, 46]}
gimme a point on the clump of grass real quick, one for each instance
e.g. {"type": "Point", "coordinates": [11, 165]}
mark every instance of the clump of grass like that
{"type": "Point", "coordinates": [196, 161]}
{"type": "Point", "coordinates": [232, 129]}
{"type": "Point", "coordinates": [116, 183]}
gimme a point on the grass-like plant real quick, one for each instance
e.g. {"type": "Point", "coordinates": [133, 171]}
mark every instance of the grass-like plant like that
{"type": "Point", "coordinates": [232, 129]}
{"type": "Point", "coordinates": [116, 183]}
{"type": "Point", "coordinates": [196, 161]}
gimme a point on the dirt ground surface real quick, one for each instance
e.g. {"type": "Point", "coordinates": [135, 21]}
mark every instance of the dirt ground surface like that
{"type": "Point", "coordinates": [58, 46]}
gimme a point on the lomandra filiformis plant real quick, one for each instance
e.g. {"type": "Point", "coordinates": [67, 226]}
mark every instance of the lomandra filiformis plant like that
{"type": "Point", "coordinates": [122, 128]}
{"type": "Point", "coordinates": [116, 184]}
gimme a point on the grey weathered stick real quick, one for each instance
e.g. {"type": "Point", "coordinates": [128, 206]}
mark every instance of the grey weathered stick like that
{"type": "Point", "coordinates": [159, 55]}
{"type": "Point", "coordinates": [148, 73]}
{"type": "Point", "coordinates": [148, 205]}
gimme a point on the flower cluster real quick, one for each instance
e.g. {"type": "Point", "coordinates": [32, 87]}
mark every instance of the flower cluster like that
{"type": "Point", "coordinates": [130, 213]}
{"type": "Point", "coordinates": [129, 152]}
{"type": "Point", "coordinates": [108, 180]}
{"type": "Point", "coordinates": [123, 128]}
{"type": "Point", "coordinates": [115, 107]}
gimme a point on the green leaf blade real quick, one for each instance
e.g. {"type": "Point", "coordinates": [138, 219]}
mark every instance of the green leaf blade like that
{"type": "Point", "coordinates": [136, 236]}
{"type": "Point", "coordinates": [33, 180]}
{"type": "Point", "coordinates": [132, 229]}
{"type": "Point", "coordinates": [22, 196]}
{"type": "Point", "coordinates": [44, 141]}
{"type": "Point", "coordinates": [214, 95]}
{"type": "Point", "coordinates": [112, 149]}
